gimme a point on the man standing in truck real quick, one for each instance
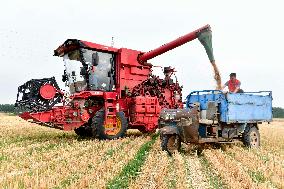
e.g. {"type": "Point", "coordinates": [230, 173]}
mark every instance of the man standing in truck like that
{"type": "Point", "coordinates": [233, 84]}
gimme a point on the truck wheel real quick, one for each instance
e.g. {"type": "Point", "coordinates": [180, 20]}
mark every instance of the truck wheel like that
{"type": "Point", "coordinates": [170, 143]}
{"type": "Point", "coordinates": [112, 132]}
{"type": "Point", "coordinates": [83, 131]}
{"type": "Point", "coordinates": [251, 137]}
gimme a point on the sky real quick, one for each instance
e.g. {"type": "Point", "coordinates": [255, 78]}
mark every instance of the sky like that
{"type": "Point", "coordinates": [247, 39]}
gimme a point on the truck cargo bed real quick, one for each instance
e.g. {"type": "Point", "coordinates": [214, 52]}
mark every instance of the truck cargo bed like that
{"type": "Point", "coordinates": [246, 107]}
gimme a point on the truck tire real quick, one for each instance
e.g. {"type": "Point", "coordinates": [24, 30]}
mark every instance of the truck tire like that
{"type": "Point", "coordinates": [170, 143]}
{"type": "Point", "coordinates": [251, 137]}
{"type": "Point", "coordinates": [99, 128]}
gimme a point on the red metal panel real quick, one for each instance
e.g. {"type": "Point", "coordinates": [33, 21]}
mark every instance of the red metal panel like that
{"type": "Point", "coordinates": [139, 100]}
{"type": "Point", "coordinates": [87, 94]}
{"type": "Point", "coordinates": [139, 71]}
{"type": "Point", "coordinates": [151, 100]}
{"type": "Point", "coordinates": [122, 105]}
{"type": "Point", "coordinates": [38, 117]}
{"type": "Point", "coordinates": [131, 82]}
{"type": "Point", "coordinates": [110, 95]}
{"type": "Point", "coordinates": [63, 117]}
{"type": "Point", "coordinates": [158, 109]}
{"type": "Point", "coordinates": [150, 109]}
{"type": "Point", "coordinates": [129, 57]}
{"type": "Point", "coordinates": [147, 119]}
{"type": "Point", "coordinates": [139, 118]}
{"type": "Point", "coordinates": [153, 119]}
{"type": "Point", "coordinates": [138, 109]}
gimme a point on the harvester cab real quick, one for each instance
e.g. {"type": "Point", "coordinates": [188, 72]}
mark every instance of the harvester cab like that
{"type": "Point", "coordinates": [87, 69]}
{"type": "Point", "coordinates": [111, 89]}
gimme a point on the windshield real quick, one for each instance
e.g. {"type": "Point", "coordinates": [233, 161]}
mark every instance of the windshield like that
{"type": "Point", "coordinates": [88, 66]}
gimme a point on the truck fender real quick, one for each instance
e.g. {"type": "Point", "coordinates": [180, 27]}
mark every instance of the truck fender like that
{"type": "Point", "coordinates": [251, 125]}
{"type": "Point", "coordinates": [169, 130]}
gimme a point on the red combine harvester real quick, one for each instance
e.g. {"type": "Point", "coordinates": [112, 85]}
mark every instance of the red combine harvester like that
{"type": "Point", "coordinates": [111, 89]}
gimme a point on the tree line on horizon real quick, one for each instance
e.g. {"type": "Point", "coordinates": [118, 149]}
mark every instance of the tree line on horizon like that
{"type": "Point", "coordinates": [9, 108]}
{"type": "Point", "coordinates": [278, 112]}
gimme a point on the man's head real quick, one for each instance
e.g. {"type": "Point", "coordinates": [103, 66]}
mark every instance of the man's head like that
{"type": "Point", "coordinates": [233, 76]}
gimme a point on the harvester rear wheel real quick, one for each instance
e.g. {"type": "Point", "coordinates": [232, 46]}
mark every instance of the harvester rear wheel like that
{"type": "Point", "coordinates": [251, 137]}
{"type": "Point", "coordinates": [170, 143]}
{"type": "Point", "coordinates": [100, 129]}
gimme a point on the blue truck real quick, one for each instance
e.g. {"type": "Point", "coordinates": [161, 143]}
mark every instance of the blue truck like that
{"type": "Point", "coordinates": [212, 116]}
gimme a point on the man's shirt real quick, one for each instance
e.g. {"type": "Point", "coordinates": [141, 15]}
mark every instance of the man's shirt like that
{"type": "Point", "coordinates": [232, 85]}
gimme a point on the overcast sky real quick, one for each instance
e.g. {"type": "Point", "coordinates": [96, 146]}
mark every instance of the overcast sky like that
{"type": "Point", "coordinates": [247, 38]}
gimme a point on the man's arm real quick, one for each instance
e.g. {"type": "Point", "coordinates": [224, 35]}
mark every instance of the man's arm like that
{"type": "Point", "coordinates": [236, 90]}
{"type": "Point", "coordinates": [224, 86]}
{"type": "Point", "coordinates": [237, 87]}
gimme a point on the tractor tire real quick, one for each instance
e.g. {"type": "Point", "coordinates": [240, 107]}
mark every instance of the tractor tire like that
{"type": "Point", "coordinates": [170, 143]}
{"type": "Point", "coordinates": [83, 131]}
{"type": "Point", "coordinates": [251, 136]}
{"type": "Point", "coordinates": [99, 128]}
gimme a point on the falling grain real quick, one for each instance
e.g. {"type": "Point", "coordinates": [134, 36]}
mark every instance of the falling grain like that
{"type": "Point", "coordinates": [217, 76]}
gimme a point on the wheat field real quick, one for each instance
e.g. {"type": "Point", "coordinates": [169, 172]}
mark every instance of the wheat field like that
{"type": "Point", "coordinates": [33, 156]}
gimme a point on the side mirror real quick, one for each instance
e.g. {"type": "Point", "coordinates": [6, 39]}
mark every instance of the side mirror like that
{"type": "Point", "coordinates": [95, 59]}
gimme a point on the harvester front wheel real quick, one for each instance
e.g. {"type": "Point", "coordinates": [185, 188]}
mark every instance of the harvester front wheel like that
{"type": "Point", "coordinates": [170, 143]}
{"type": "Point", "coordinates": [110, 132]}
{"type": "Point", "coordinates": [251, 137]}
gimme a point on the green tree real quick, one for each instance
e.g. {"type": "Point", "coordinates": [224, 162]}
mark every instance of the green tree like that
{"type": "Point", "coordinates": [278, 112]}
{"type": "Point", "coordinates": [7, 108]}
